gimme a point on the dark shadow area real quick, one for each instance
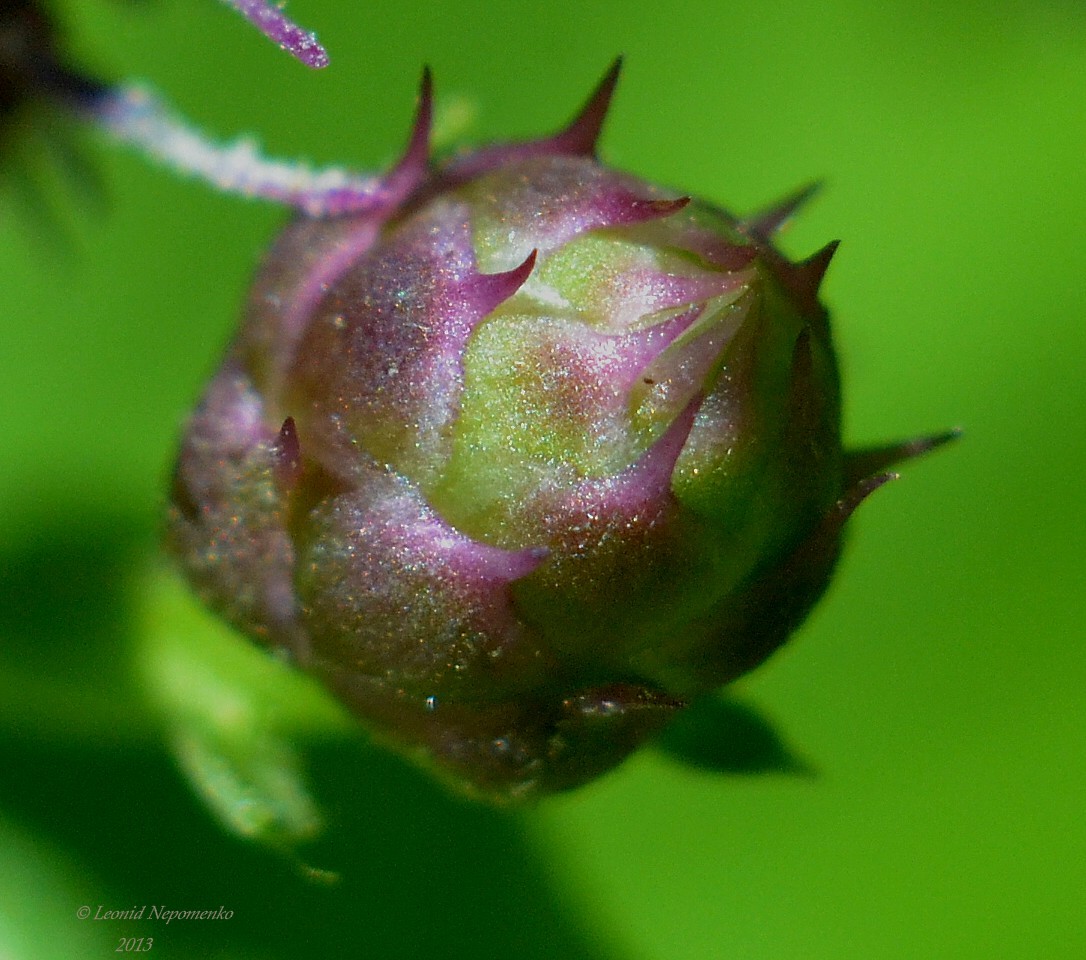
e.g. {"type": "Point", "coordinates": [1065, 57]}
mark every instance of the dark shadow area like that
{"type": "Point", "coordinates": [63, 610]}
{"type": "Point", "coordinates": [726, 736]}
{"type": "Point", "coordinates": [422, 873]}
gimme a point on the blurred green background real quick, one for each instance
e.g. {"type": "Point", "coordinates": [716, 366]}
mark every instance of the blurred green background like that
{"type": "Point", "coordinates": [937, 693]}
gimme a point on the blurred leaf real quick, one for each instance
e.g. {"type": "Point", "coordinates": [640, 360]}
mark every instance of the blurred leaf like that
{"type": "Point", "coordinates": [233, 715]}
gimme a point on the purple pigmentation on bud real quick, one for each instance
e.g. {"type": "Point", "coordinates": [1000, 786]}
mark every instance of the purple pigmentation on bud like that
{"type": "Point", "coordinates": [520, 455]}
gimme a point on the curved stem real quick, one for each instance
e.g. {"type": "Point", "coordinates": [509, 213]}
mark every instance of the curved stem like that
{"type": "Point", "coordinates": [277, 27]}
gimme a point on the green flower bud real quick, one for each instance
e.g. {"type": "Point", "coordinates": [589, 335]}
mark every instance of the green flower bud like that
{"type": "Point", "coordinates": [521, 454]}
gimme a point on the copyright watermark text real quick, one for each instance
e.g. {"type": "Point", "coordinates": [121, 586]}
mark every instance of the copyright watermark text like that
{"type": "Point", "coordinates": [154, 911]}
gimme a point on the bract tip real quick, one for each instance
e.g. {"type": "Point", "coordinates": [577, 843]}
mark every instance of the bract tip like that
{"type": "Point", "coordinates": [288, 455]}
{"type": "Point", "coordinates": [577, 139]}
{"type": "Point", "coordinates": [870, 460]}
{"type": "Point", "coordinates": [764, 224]}
{"type": "Point", "coordinates": [488, 290]}
{"type": "Point", "coordinates": [634, 209]}
{"type": "Point", "coordinates": [857, 494]}
{"type": "Point", "coordinates": [804, 279]}
{"type": "Point", "coordinates": [583, 133]}
{"type": "Point", "coordinates": [413, 165]}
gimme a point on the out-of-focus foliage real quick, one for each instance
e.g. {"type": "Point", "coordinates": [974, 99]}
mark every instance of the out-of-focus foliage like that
{"type": "Point", "coordinates": [937, 692]}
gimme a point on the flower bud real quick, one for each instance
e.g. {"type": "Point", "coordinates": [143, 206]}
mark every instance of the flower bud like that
{"type": "Point", "coordinates": [520, 454]}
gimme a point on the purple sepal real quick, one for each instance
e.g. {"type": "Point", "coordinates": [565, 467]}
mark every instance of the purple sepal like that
{"type": "Point", "coordinates": [543, 203]}
{"type": "Point", "coordinates": [228, 516]}
{"type": "Point", "coordinates": [486, 291]}
{"type": "Point", "coordinates": [381, 361]}
{"type": "Point", "coordinates": [393, 589]}
{"type": "Point", "coordinates": [638, 492]}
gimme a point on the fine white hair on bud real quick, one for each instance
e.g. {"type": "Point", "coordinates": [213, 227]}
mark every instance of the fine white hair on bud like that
{"type": "Point", "coordinates": [135, 116]}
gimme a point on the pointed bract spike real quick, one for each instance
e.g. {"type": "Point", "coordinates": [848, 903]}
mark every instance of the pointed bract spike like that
{"type": "Point", "coordinates": [662, 456]}
{"type": "Point", "coordinates": [650, 477]}
{"type": "Point", "coordinates": [871, 460]}
{"type": "Point", "coordinates": [857, 494]}
{"type": "Point", "coordinates": [804, 279]}
{"type": "Point", "coordinates": [807, 569]}
{"type": "Point", "coordinates": [814, 267]}
{"type": "Point", "coordinates": [643, 487]}
{"type": "Point", "coordinates": [413, 165]}
{"type": "Point", "coordinates": [288, 455]}
{"type": "Point", "coordinates": [719, 251]}
{"type": "Point", "coordinates": [583, 133]}
{"type": "Point", "coordinates": [670, 290]}
{"type": "Point", "coordinates": [764, 224]}
{"type": "Point", "coordinates": [577, 139]}
{"type": "Point", "coordinates": [487, 290]}
{"type": "Point", "coordinates": [633, 209]}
